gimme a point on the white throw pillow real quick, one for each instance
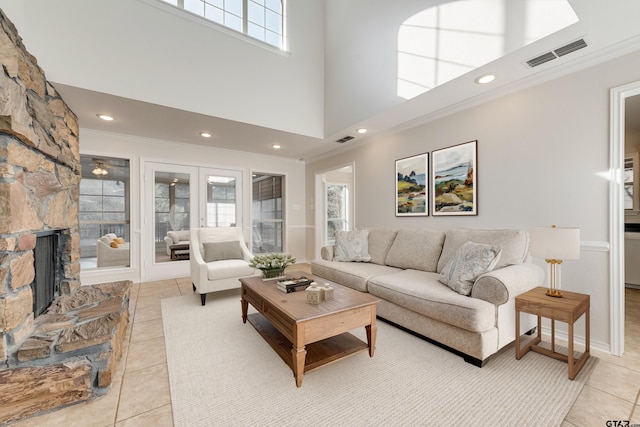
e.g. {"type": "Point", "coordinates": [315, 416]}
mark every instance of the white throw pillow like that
{"type": "Point", "coordinates": [352, 246]}
{"type": "Point", "coordinates": [469, 261]}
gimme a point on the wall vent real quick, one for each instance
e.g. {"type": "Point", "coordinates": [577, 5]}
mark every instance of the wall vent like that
{"type": "Point", "coordinates": [556, 53]}
{"type": "Point", "coordinates": [345, 139]}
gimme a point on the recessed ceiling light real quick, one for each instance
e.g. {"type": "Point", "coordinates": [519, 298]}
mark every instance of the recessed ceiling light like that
{"type": "Point", "coordinates": [105, 117]}
{"type": "Point", "coordinates": [205, 134]}
{"type": "Point", "coordinates": [361, 130]}
{"type": "Point", "coordinates": [275, 146]}
{"type": "Point", "coordinates": [487, 78]}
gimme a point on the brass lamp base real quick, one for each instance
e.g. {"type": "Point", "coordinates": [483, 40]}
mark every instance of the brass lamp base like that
{"type": "Point", "coordinates": [553, 293]}
{"type": "Point", "coordinates": [553, 290]}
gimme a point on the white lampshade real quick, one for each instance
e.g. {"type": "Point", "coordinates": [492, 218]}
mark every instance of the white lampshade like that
{"type": "Point", "coordinates": [555, 242]}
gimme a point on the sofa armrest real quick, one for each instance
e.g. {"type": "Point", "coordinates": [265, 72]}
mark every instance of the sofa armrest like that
{"type": "Point", "coordinates": [501, 285]}
{"type": "Point", "coordinates": [326, 252]}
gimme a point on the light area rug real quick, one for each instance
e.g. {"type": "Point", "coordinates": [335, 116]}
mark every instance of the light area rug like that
{"type": "Point", "coordinates": [222, 373]}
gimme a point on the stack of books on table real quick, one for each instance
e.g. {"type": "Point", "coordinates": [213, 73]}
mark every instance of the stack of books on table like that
{"type": "Point", "coordinates": [289, 285]}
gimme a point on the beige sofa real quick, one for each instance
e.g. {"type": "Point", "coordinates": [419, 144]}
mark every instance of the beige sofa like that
{"type": "Point", "coordinates": [404, 271]}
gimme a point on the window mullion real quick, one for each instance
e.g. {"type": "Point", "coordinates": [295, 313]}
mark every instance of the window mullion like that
{"type": "Point", "coordinates": [245, 16]}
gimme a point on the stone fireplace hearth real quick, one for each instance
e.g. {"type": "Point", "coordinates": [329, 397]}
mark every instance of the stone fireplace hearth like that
{"type": "Point", "coordinates": [69, 352]}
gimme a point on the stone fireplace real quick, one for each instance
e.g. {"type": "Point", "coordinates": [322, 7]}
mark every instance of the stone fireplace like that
{"type": "Point", "coordinates": [67, 353]}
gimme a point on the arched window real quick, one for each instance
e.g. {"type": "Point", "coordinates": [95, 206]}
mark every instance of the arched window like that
{"type": "Point", "coordinates": [260, 19]}
{"type": "Point", "coordinates": [446, 41]}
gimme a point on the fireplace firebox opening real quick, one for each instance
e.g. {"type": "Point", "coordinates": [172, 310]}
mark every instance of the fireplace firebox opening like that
{"type": "Point", "coordinates": [47, 264]}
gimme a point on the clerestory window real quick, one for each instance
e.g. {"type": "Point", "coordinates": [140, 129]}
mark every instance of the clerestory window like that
{"type": "Point", "coordinates": [260, 19]}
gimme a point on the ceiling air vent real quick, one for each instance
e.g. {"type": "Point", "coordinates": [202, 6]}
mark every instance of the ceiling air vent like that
{"type": "Point", "coordinates": [345, 139]}
{"type": "Point", "coordinates": [539, 60]}
{"type": "Point", "coordinates": [557, 53]}
{"type": "Point", "coordinates": [571, 47]}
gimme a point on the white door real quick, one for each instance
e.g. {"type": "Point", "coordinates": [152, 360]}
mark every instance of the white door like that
{"type": "Point", "coordinates": [169, 211]}
{"type": "Point", "coordinates": [221, 193]}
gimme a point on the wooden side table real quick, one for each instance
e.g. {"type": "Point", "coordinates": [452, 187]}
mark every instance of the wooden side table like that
{"type": "Point", "coordinates": [566, 309]}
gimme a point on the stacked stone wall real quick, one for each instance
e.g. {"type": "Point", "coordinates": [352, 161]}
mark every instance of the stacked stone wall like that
{"type": "Point", "coordinates": [39, 182]}
{"type": "Point", "coordinates": [69, 353]}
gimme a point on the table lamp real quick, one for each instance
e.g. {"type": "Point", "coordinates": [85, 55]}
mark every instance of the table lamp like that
{"type": "Point", "coordinates": [554, 245]}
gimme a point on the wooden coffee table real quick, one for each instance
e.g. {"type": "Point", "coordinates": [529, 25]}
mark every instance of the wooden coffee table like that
{"type": "Point", "coordinates": [308, 336]}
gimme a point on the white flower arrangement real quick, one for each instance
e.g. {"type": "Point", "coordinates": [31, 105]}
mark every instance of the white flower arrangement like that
{"type": "Point", "coordinates": [268, 262]}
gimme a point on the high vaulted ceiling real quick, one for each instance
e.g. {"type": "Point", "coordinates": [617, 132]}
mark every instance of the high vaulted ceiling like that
{"type": "Point", "coordinates": [608, 27]}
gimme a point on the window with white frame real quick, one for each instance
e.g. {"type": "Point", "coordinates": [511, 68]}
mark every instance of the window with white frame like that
{"type": "Point", "coordinates": [337, 210]}
{"type": "Point", "coordinates": [260, 19]}
{"type": "Point", "coordinates": [104, 206]}
{"type": "Point", "coordinates": [267, 211]}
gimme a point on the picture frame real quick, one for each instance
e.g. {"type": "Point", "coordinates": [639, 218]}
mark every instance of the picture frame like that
{"type": "Point", "coordinates": [454, 180]}
{"type": "Point", "coordinates": [412, 189]}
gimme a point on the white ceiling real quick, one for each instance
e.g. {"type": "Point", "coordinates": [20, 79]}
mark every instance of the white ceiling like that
{"type": "Point", "coordinates": [137, 118]}
{"type": "Point", "coordinates": [157, 122]}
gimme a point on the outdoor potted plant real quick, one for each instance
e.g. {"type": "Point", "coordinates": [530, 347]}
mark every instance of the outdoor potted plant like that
{"type": "Point", "coordinates": [272, 265]}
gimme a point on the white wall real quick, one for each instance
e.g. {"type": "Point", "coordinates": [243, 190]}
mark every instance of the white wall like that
{"type": "Point", "coordinates": [361, 36]}
{"type": "Point", "coordinates": [140, 49]}
{"type": "Point", "coordinates": [543, 155]}
{"type": "Point", "coordinates": [140, 150]}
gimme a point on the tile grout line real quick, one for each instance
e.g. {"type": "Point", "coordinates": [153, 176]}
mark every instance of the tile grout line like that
{"type": "Point", "coordinates": [633, 408]}
{"type": "Point", "coordinates": [170, 404]}
{"type": "Point", "coordinates": [124, 367]}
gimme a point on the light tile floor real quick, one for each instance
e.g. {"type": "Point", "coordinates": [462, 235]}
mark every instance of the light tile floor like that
{"type": "Point", "coordinates": [140, 394]}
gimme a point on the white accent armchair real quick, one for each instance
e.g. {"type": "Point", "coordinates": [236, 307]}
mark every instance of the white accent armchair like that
{"type": "Point", "coordinates": [218, 257]}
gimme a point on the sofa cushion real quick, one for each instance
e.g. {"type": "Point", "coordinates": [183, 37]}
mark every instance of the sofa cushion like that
{"type": "Point", "coordinates": [354, 275]}
{"type": "Point", "coordinates": [418, 249]}
{"type": "Point", "coordinates": [470, 261]}
{"type": "Point", "coordinates": [380, 242]}
{"type": "Point", "coordinates": [352, 245]}
{"type": "Point", "coordinates": [514, 244]}
{"type": "Point", "coordinates": [228, 269]}
{"type": "Point", "coordinates": [421, 292]}
{"type": "Point", "coordinates": [217, 251]}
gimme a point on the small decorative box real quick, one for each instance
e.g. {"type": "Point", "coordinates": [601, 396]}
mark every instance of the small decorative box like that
{"type": "Point", "coordinates": [327, 292]}
{"type": "Point", "coordinates": [313, 293]}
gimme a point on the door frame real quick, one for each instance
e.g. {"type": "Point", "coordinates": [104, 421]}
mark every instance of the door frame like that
{"type": "Point", "coordinates": [618, 96]}
{"type": "Point", "coordinates": [320, 209]}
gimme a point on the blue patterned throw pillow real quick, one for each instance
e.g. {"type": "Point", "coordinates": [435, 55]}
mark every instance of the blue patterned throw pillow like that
{"type": "Point", "coordinates": [470, 261]}
{"type": "Point", "coordinates": [352, 246]}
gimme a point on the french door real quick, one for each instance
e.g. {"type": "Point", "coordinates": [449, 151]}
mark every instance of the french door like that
{"type": "Point", "coordinates": [221, 196]}
{"type": "Point", "coordinates": [178, 198]}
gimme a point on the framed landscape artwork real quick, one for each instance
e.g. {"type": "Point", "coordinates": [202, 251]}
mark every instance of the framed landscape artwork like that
{"type": "Point", "coordinates": [454, 180]}
{"type": "Point", "coordinates": [411, 185]}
